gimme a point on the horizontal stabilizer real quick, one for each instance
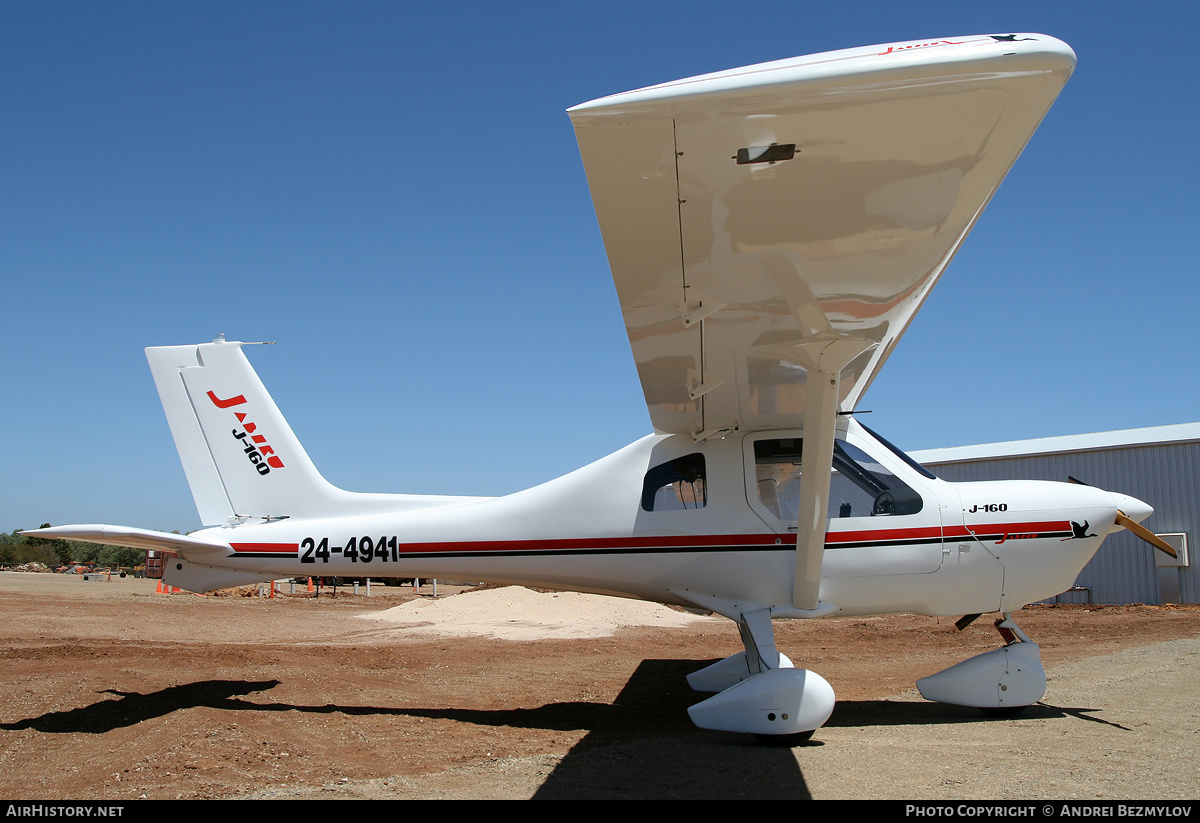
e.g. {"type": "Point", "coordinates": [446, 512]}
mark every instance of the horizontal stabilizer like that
{"type": "Point", "coordinates": [190, 570]}
{"type": "Point", "coordinates": [133, 538]}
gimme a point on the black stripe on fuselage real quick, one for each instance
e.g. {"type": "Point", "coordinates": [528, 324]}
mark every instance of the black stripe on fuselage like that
{"type": "Point", "coordinates": [765, 547]}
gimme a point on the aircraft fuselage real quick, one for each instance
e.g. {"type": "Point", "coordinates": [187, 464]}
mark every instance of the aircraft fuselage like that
{"type": "Point", "coordinates": [713, 530]}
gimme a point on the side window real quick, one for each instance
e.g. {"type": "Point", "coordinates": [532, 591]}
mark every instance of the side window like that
{"type": "Point", "coordinates": [676, 485]}
{"type": "Point", "coordinates": [858, 487]}
{"type": "Point", "coordinates": [777, 475]}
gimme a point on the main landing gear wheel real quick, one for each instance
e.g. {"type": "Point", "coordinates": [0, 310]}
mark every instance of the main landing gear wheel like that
{"type": "Point", "coordinates": [759, 692]}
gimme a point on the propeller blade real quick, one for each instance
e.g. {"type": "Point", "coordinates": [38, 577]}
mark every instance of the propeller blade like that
{"type": "Point", "coordinates": [1144, 533]}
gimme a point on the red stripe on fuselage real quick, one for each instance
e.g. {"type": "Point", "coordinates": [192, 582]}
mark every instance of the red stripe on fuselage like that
{"type": "Point", "coordinates": [263, 547]}
{"type": "Point", "coordinates": [832, 539]}
{"type": "Point", "coordinates": [1008, 528]}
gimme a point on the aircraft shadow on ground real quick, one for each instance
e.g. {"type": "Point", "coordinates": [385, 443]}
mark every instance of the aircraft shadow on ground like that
{"type": "Point", "coordinates": [133, 707]}
{"type": "Point", "coordinates": [859, 713]}
{"type": "Point", "coordinates": [641, 745]}
{"type": "Point", "coordinates": [648, 748]}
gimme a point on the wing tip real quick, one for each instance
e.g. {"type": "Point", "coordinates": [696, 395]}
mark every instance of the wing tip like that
{"type": "Point", "coordinates": [1053, 56]}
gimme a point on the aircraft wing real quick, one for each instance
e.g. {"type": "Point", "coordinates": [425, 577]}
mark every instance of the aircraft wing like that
{"type": "Point", "coordinates": [759, 219]}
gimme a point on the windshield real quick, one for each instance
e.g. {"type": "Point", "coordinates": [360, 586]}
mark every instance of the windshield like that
{"type": "Point", "coordinates": [908, 460]}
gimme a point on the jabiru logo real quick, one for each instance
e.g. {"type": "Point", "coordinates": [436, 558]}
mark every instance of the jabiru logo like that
{"type": "Point", "coordinates": [895, 49]}
{"type": "Point", "coordinates": [255, 445]}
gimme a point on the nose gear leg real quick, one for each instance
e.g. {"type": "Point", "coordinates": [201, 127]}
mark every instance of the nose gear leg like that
{"type": "Point", "coordinates": [1001, 682]}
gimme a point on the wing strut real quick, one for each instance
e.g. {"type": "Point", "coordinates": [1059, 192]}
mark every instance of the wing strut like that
{"type": "Point", "coordinates": [824, 358]}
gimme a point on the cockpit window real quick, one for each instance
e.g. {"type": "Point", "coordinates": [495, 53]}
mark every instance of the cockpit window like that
{"type": "Point", "coordinates": [859, 487]}
{"type": "Point", "coordinates": [676, 485]}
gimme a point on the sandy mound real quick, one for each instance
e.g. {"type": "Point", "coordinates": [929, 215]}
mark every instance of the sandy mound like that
{"type": "Point", "coordinates": [516, 613]}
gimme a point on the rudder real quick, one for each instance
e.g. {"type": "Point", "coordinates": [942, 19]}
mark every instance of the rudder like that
{"type": "Point", "coordinates": [240, 456]}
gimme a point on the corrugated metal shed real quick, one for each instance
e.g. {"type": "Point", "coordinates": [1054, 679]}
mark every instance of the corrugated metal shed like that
{"type": "Point", "coordinates": [1160, 465]}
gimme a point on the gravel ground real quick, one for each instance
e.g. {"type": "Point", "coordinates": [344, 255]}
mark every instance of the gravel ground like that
{"type": "Point", "coordinates": [115, 692]}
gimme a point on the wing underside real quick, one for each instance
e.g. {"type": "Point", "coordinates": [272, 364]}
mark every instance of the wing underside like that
{"type": "Point", "coordinates": [761, 219]}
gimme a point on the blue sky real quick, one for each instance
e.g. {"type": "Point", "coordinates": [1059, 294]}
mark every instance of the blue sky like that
{"type": "Point", "coordinates": [393, 193]}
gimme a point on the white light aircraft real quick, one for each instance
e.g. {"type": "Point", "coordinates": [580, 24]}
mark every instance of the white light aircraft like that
{"type": "Point", "coordinates": [772, 231]}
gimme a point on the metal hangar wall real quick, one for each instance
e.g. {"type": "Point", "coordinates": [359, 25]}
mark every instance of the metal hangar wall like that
{"type": "Point", "coordinates": [1160, 465]}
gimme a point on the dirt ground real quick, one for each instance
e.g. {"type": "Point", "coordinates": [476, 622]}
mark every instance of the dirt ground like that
{"type": "Point", "coordinates": [115, 692]}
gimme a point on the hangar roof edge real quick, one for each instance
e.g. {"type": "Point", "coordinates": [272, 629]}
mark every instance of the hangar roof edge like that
{"type": "Point", "coordinates": [1125, 438]}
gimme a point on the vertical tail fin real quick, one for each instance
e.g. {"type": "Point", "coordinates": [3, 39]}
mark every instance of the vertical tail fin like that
{"type": "Point", "coordinates": [240, 456]}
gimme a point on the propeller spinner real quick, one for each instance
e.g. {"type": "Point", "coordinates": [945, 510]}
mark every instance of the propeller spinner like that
{"type": "Point", "coordinates": [1125, 521]}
